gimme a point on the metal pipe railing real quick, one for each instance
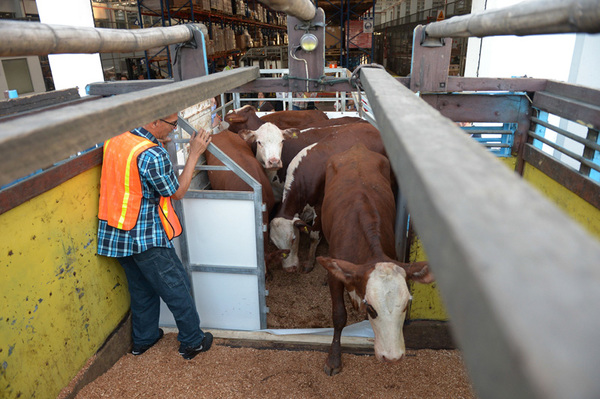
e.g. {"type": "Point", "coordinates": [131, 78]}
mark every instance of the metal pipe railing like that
{"type": "Point", "coordinates": [527, 18]}
{"type": "Point", "coordinates": [33, 38]}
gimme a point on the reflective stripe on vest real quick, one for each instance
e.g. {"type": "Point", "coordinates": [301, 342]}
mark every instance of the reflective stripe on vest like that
{"type": "Point", "coordinates": [169, 218]}
{"type": "Point", "coordinates": [121, 186]}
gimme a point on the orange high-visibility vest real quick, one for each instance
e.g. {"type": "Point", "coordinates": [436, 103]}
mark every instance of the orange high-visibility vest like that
{"type": "Point", "coordinates": [121, 186]}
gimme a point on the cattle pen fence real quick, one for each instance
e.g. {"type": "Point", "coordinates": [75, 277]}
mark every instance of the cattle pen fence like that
{"type": "Point", "coordinates": [517, 275]}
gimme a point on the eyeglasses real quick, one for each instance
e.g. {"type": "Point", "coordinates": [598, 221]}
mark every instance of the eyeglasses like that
{"type": "Point", "coordinates": [174, 124]}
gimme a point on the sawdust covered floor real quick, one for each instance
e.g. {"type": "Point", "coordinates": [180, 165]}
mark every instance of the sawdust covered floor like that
{"type": "Point", "coordinates": [225, 372]}
{"type": "Point", "coordinates": [295, 301]}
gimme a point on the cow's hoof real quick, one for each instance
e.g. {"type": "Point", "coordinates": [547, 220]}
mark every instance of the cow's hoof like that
{"type": "Point", "coordinates": [331, 371]}
{"type": "Point", "coordinates": [268, 276]}
{"type": "Point", "coordinates": [307, 268]}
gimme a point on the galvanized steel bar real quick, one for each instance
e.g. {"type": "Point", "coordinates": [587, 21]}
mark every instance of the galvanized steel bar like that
{"type": "Point", "coordinates": [517, 275]}
{"type": "Point", "coordinates": [256, 198]}
{"type": "Point", "coordinates": [563, 150]}
{"type": "Point", "coordinates": [34, 38]}
{"type": "Point", "coordinates": [533, 17]}
{"type": "Point", "coordinates": [581, 140]}
{"type": "Point", "coordinates": [301, 9]}
{"type": "Point", "coordinates": [40, 140]}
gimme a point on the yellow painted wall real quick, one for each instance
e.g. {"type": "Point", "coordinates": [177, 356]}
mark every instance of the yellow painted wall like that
{"type": "Point", "coordinates": [59, 301]}
{"type": "Point", "coordinates": [427, 303]}
{"type": "Point", "coordinates": [580, 210]}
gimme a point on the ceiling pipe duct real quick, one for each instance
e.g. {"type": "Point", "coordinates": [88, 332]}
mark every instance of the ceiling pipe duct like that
{"type": "Point", "coordinates": [533, 17]}
{"type": "Point", "coordinates": [301, 9]}
{"type": "Point", "coordinates": [34, 38]}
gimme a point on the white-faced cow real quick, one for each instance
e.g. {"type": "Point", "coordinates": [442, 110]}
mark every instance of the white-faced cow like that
{"type": "Point", "coordinates": [303, 191]}
{"type": "Point", "coordinates": [358, 216]}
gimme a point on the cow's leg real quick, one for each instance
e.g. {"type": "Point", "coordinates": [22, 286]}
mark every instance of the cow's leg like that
{"type": "Point", "coordinates": [315, 239]}
{"type": "Point", "coordinates": [333, 364]}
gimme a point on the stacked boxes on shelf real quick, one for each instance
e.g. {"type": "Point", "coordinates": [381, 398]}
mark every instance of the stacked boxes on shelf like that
{"type": "Point", "coordinates": [240, 8]}
{"type": "Point", "coordinates": [223, 39]}
{"type": "Point", "coordinates": [203, 5]}
{"type": "Point", "coordinates": [223, 6]}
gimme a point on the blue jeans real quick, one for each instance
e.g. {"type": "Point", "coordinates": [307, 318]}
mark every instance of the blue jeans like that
{"type": "Point", "coordinates": [154, 274]}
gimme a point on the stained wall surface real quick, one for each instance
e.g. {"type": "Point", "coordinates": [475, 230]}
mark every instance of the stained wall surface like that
{"type": "Point", "coordinates": [59, 301]}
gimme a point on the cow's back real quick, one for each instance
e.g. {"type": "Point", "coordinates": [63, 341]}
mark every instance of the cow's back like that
{"type": "Point", "coordinates": [314, 134]}
{"type": "Point", "coordinates": [358, 211]}
{"type": "Point", "coordinates": [298, 119]}
{"type": "Point", "coordinates": [306, 179]}
{"type": "Point", "coordinates": [343, 120]}
{"type": "Point", "coordinates": [239, 151]}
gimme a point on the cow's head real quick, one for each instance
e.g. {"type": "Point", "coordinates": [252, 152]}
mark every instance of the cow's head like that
{"type": "Point", "coordinates": [285, 234]}
{"type": "Point", "coordinates": [269, 143]}
{"type": "Point", "coordinates": [381, 290]}
{"type": "Point", "coordinates": [243, 118]}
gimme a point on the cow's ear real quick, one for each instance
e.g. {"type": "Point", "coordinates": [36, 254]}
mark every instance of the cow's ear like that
{"type": "Point", "coordinates": [291, 133]}
{"type": "Point", "coordinates": [274, 258]}
{"type": "Point", "coordinates": [302, 226]}
{"type": "Point", "coordinates": [247, 135]}
{"type": "Point", "coordinates": [235, 118]}
{"type": "Point", "coordinates": [419, 272]}
{"type": "Point", "coordinates": [340, 269]}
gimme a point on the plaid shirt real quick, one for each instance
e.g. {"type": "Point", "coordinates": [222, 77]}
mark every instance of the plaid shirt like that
{"type": "Point", "coordinates": [158, 180]}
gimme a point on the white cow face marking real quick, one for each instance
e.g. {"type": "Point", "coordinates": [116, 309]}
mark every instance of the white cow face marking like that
{"type": "Point", "coordinates": [269, 143]}
{"type": "Point", "coordinates": [285, 235]}
{"type": "Point", "coordinates": [387, 298]}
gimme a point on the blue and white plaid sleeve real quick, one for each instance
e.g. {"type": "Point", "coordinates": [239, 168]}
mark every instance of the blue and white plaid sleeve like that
{"type": "Point", "coordinates": [157, 171]}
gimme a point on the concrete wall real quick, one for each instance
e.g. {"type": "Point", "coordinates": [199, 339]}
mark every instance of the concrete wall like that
{"type": "Point", "coordinates": [60, 301]}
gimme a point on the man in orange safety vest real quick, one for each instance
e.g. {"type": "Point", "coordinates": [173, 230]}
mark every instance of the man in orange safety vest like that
{"type": "Point", "coordinates": [137, 223]}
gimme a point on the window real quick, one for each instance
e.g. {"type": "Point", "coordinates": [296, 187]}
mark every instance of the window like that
{"type": "Point", "coordinates": [17, 75]}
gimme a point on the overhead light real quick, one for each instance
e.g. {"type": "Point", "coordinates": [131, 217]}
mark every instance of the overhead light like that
{"type": "Point", "coordinates": [309, 42]}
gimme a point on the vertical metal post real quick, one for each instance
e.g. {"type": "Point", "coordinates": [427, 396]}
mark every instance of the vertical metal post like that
{"type": "Point", "coordinates": [223, 108]}
{"type": "Point", "coordinates": [589, 153]}
{"type": "Point", "coordinates": [430, 62]}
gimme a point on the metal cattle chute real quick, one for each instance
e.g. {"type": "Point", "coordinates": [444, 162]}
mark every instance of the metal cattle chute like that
{"type": "Point", "coordinates": [517, 299]}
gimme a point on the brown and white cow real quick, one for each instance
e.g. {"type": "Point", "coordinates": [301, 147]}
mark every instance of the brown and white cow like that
{"type": "Point", "coordinates": [358, 215]}
{"type": "Point", "coordinates": [297, 142]}
{"type": "Point", "coordinates": [246, 118]}
{"type": "Point", "coordinates": [303, 190]}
